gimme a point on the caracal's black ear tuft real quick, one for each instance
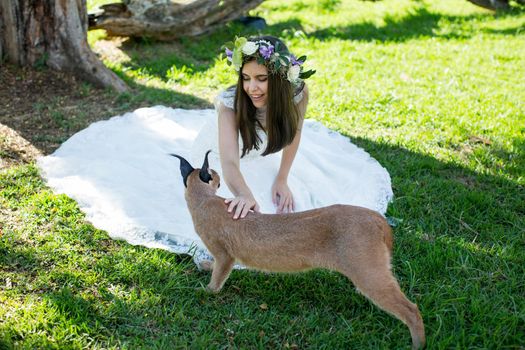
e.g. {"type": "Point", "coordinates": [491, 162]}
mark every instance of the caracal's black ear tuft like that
{"type": "Point", "coordinates": [204, 174]}
{"type": "Point", "coordinates": [185, 168]}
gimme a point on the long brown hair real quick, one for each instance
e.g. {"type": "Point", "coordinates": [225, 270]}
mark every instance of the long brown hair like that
{"type": "Point", "coordinates": [282, 115]}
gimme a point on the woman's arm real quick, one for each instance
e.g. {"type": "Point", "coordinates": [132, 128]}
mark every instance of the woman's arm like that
{"type": "Point", "coordinates": [281, 195]}
{"type": "Point", "coordinates": [229, 155]}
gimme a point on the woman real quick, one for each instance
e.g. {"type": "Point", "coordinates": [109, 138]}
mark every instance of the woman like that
{"type": "Point", "coordinates": [264, 99]}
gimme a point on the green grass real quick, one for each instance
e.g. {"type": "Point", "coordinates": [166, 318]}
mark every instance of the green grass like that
{"type": "Point", "coordinates": [434, 90]}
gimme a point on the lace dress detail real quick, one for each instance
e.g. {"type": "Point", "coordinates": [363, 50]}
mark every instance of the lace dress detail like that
{"type": "Point", "coordinates": [226, 97]}
{"type": "Point", "coordinates": [120, 173]}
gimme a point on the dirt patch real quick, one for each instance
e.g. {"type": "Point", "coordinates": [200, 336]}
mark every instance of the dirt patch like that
{"type": "Point", "coordinates": [41, 108]}
{"type": "Point", "coordinates": [14, 149]}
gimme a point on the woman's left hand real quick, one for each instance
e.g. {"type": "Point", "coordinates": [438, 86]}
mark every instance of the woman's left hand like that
{"type": "Point", "coordinates": [282, 197]}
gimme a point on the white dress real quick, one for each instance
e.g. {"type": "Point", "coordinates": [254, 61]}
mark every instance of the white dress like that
{"type": "Point", "coordinates": [124, 180]}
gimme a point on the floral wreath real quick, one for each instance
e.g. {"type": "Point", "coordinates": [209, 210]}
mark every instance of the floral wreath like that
{"type": "Point", "coordinates": [275, 58]}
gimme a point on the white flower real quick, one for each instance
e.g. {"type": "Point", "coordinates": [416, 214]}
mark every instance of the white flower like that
{"type": "Point", "coordinates": [265, 42]}
{"type": "Point", "coordinates": [293, 73]}
{"type": "Point", "coordinates": [249, 48]}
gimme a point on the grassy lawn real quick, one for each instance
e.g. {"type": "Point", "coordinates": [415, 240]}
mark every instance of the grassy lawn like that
{"type": "Point", "coordinates": [435, 91]}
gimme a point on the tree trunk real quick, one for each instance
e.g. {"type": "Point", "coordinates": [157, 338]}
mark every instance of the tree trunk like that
{"type": "Point", "coordinates": [54, 33]}
{"type": "Point", "coordinates": [166, 19]}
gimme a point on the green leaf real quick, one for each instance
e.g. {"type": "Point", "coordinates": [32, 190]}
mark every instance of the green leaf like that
{"type": "Point", "coordinates": [237, 59]}
{"type": "Point", "coordinates": [302, 58]}
{"type": "Point", "coordinates": [307, 74]}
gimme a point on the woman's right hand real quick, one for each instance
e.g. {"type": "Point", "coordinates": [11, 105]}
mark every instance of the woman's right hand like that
{"type": "Point", "coordinates": [242, 205]}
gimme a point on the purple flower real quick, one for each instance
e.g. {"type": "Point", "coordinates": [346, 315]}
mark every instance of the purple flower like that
{"type": "Point", "coordinates": [266, 51]}
{"type": "Point", "coordinates": [295, 61]}
{"type": "Point", "coordinates": [229, 53]}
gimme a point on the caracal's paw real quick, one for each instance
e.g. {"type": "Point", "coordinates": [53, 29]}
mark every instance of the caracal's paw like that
{"type": "Point", "coordinates": [206, 265]}
{"type": "Point", "coordinates": [213, 289]}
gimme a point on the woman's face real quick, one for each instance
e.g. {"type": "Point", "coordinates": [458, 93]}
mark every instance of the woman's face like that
{"type": "Point", "coordinates": [255, 82]}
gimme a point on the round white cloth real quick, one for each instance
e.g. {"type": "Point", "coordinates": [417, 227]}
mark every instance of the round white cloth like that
{"type": "Point", "coordinates": [124, 180]}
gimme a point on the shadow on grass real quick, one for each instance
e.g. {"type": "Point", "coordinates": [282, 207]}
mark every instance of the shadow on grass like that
{"type": "Point", "coordinates": [459, 254]}
{"type": "Point", "coordinates": [20, 259]}
{"type": "Point", "coordinates": [417, 24]}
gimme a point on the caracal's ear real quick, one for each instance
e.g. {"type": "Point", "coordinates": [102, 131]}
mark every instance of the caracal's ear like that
{"type": "Point", "coordinates": [204, 174]}
{"type": "Point", "coordinates": [215, 179]}
{"type": "Point", "coordinates": [185, 168]}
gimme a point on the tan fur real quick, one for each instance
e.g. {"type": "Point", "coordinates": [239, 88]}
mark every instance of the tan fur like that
{"type": "Point", "coordinates": [354, 241]}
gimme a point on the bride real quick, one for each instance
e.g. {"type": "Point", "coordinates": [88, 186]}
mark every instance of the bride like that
{"type": "Point", "coordinates": [271, 97]}
{"type": "Point", "coordinates": [271, 158]}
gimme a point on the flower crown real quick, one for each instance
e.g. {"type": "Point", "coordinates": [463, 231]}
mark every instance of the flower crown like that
{"type": "Point", "coordinates": [276, 58]}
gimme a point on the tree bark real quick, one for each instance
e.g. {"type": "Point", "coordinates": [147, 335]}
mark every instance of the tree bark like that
{"type": "Point", "coordinates": [168, 20]}
{"type": "Point", "coordinates": [54, 33]}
